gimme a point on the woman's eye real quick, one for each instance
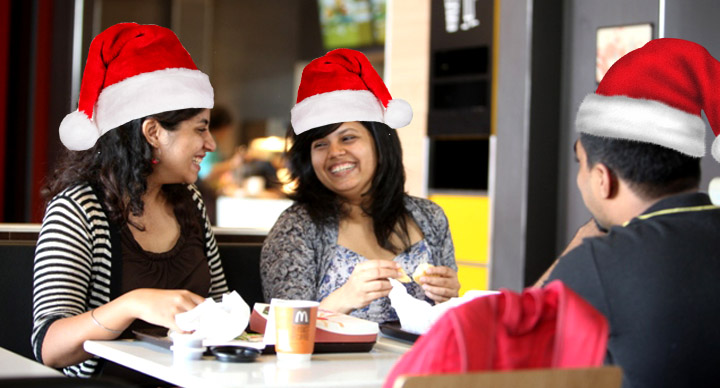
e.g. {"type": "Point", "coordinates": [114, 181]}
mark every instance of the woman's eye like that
{"type": "Point", "coordinates": [203, 129]}
{"type": "Point", "coordinates": [349, 138]}
{"type": "Point", "coordinates": [318, 145]}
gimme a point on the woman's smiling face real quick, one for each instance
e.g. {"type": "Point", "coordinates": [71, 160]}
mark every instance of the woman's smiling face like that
{"type": "Point", "coordinates": [345, 160]}
{"type": "Point", "coordinates": [182, 150]}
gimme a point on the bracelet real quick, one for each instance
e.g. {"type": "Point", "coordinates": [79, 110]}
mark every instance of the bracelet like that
{"type": "Point", "coordinates": [92, 315]}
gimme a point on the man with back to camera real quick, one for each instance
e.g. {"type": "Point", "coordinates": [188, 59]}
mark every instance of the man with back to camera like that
{"type": "Point", "coordinates": [650, 258]}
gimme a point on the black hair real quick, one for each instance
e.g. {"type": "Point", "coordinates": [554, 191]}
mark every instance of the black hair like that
{"type": "Point", "coordinates": [118, 166]}
{"type": "Point", "coordinates": [652, 171]}
{"type": "Point", "coordinates": [386, 195]}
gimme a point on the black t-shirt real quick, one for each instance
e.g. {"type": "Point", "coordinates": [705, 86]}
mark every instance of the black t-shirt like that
{"type": "Point", "coordinates": [657, 280]}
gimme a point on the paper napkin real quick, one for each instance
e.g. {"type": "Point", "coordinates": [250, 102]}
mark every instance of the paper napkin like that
{"type": "Point", "coordinates": [416, 316]}
{"type": "Point", "coordinates": [217, 322]}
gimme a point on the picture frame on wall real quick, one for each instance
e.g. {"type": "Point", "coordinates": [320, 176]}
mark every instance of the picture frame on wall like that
{"type": "Point", "coordinates": [613, 42]}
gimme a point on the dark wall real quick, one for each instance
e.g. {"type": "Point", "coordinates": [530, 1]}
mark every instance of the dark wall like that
{"type": "Point", "coordinates": [251, 49]}
{"type": "Point", "coordinates": [582, 18]}
{"type": "Point", "coordinates": [256, 46]}
{"type": "Point", "coordinates": [697, 23]}
{"type": "Point", "coordinates": [37, 89]}
{"type": "Point", "coordinates": [543, 158]}
{"type": "Point", "coordinates": [525, 187]}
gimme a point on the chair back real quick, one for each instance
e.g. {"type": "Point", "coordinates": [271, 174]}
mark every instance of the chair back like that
{"type": "Point", "coordinates": [600, 377]}
{"type": "Point", "coordinates": [550, 327]}
{"type": "Point", "coordinates": [16, 266]}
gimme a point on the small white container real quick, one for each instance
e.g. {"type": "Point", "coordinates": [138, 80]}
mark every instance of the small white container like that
{"type": "Point", "coordinates": [187, 346]}
{"type": "Point", "coordinates": [186, 340]}
{"type": "Point", "coordinates": [181, 353]}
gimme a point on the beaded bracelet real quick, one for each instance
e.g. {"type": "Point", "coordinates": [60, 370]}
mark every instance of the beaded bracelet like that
{"type": "Point", "coordinates": [92, 315]}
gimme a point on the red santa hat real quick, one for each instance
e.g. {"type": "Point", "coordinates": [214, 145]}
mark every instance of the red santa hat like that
{"type": "Point", "coordinates": [343, 86]}
{"type": "Point", "coordinates": [133, 71]}
{"type": "Point", "coordinates": [655, 94]}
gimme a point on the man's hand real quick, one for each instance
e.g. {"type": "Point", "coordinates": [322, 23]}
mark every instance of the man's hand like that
{"type": "Point", "coordinates": [589, 229]}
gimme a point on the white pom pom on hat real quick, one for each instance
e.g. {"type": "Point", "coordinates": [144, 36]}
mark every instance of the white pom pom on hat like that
{"type": "Point", "coordinates": [123, 82]}
{"type": "Point", "coordinates": [343, 86]}
{"type": "Point", "coordinates": [77, 132]}
{"type": "Point", "coordinates": [398, 113]}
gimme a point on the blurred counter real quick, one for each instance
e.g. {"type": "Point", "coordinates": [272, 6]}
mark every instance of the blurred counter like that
{"type": "Point", "coordinates": [249, 213]}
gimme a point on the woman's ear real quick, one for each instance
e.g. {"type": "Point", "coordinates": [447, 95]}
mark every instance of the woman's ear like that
{"type": "Point", "coordinates": [151, 129]}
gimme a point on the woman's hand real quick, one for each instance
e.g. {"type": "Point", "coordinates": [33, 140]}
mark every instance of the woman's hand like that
{"type": "Point", "coordinates": [159, 307]}
{"type": "Point", "coordinates": [368, 281]}
{"type": "Point", "coordinates": [63, 344]}
{"type": "Point", "coordinates": [440, 283]}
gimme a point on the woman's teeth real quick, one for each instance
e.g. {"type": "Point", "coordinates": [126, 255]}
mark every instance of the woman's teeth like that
{"type": "Point", "coordinates": [342, 167]}
{"type": "Point", "coordinates": [197, 160]}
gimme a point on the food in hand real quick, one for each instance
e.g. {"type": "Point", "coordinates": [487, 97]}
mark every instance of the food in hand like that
{"type": "Point", "coordinates": [420, 272]}
{"type": "Point", "coordinates": [404, 278]}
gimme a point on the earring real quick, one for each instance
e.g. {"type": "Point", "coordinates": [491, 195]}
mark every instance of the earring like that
{"type": "Point", "coordinates": [154, 159]}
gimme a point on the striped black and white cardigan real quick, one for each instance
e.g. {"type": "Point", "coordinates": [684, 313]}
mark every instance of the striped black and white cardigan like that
{"type": "Point", "coordinates": [78, 260]}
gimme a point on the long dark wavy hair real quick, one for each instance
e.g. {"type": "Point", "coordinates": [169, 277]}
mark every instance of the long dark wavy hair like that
{"type": "Point", "coordinates": [385, 198]}
{"type": "Point", "coordinates": [118, 166]}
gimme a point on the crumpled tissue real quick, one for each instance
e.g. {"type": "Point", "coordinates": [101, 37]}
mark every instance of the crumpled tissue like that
{"type": "Point", "coordinates": [416, 316]}
{"type": "Point", "coordinates": [216, 322]}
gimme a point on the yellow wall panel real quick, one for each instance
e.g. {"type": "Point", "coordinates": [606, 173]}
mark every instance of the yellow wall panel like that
{"type": "Point", "coordinates": [468, 218]}
{"type": "Point", "coordinates": [472, 278]}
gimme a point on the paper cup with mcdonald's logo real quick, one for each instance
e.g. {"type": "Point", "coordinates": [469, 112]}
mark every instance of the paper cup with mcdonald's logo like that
{"type": "Point", "coordinates": [294, 328]}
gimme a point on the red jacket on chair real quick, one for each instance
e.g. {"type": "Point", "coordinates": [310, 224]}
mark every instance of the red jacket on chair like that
{"type": "Point", "coordinates": [550, 327]}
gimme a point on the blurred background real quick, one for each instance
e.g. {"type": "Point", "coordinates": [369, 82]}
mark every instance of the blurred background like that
{"type": "Point", "coordinates": [494, 86]}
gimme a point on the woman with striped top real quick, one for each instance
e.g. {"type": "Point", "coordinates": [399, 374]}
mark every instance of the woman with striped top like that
{"type": "Point", "coordinates": [125, 241]}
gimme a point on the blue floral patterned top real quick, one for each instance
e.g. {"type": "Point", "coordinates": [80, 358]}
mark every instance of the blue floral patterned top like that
{"type": "Point", "coordinates": [301, 259]}
{"type": "Point", "coordinates": [379, 310]}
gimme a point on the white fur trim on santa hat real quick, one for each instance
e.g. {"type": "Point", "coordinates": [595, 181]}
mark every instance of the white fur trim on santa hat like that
{"type": "Point", "coordinates": [77, 132]}
{"type": "Point", "coordinates": [136, 97]}
{"type": "Point", "coordinates": [150, 93]}
{"type": "Point", "coordinates": [643, 120]}
{"type": "Point", "coordinates": [398, 114]}
{"type": "Point", "coordinates": [338, 106]}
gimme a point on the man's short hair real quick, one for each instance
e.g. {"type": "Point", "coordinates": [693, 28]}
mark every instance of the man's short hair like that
{"type": "Point", "coordinates": [651, 171]}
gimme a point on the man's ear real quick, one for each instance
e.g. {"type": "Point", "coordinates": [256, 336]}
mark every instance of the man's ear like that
{"type": "Point", "coordinates": [605, 181]}
{"type": "Point", "coordinates": [151, 129]}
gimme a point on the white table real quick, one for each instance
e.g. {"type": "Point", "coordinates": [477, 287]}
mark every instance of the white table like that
{"type": "Point", "coordinates": [367, 369]}
{"type": "Point", "coordinates": [13, 365]}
